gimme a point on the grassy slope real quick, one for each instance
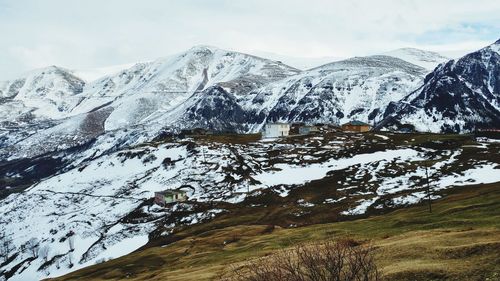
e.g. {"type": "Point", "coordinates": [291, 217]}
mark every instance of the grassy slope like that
{"type": "Point", "coordinates": [460, 240]}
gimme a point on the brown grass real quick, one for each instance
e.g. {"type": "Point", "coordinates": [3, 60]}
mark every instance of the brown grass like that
{"type": "Point", "coordinates": [458, 241]}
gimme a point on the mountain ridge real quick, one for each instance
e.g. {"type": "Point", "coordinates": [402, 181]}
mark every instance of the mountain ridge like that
{"type": "Point", "coordinates": [78, 189]}
{"type": "Point", "coordinates": [426, 59]}
{"type": "Point", "coordinates": [159, 96]}
{"type": "Point", "coordinates": [459, 96]}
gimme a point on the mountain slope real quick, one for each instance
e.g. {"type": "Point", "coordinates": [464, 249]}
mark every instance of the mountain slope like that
{"type": "Point", "coordinates": [103, 202]}
{"type": "Point", "coordinates": [170, 81]}
{"type": "Point", "coordinates": [229, 91]}
{"type": "Point", "coordinates": [223, 91]}
{"type": "Point", "coordinates": [434, 241]}
{"type": "Point", "coordinates": [426, 59]}
{"type": "Point", "coordinates": [146, 99]}
{"type": "Point", "coordinates": [460, 96]}
{"type": "Point", "coordinates": [214, 109]}
{"type": "Point", "coordinates": [148, 92]}
{"type": "Point", "coordinates": [357, 88]}
{"type": "Point", "coordinates": [49, 92]}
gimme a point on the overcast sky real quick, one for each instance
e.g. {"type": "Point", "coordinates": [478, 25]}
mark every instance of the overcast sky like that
{"type": "Point", "coordinates": [95, 33]}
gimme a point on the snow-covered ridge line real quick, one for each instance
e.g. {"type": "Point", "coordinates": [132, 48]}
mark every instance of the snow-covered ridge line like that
{"type": "Point", "coordinates": [189, 89]}
{"type": "Point", "coordinates": [458, 96]}
{"type": "Point", "coordinates": [52, 103]}
{"type": "Point", "coordinates": [426, 59]}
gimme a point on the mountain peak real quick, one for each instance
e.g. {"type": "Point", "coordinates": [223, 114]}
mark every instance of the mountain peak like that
{"type": "Point", "coordinates": [48, 70]}
{"type": "Point", "coordinates": [496, 46]}
{"type": "Point", "coordinates": [409, 50]}
{"type": "Point", "coordinates": [375, 61]}
{"type": "Point", "coordinates": [413, 50]}
{"type": "Point", "coordinates": [426, 59]}
{"type": "Point", "coordinates": [203, 48]}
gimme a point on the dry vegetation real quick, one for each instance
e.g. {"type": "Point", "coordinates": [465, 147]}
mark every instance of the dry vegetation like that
{"type": "Point", "coordinates": [343, 260]}
{"type": "Point", "coordinates": [460, 240]}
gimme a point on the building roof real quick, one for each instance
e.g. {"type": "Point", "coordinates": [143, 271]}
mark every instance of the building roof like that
{"type": "Point", "coordinates": [278, 123]}
{"type": "Point", "coordinates": [171, 192]}
{"type": "Point", "coordinates": [356, 123]}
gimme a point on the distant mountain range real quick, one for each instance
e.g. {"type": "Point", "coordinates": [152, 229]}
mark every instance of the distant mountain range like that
{"type": "Point", "coordinates": [80, 160]}
{"type": "Point", "coordinates": [229, 91]}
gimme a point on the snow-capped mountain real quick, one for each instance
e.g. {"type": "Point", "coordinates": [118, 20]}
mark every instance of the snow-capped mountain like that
{"type": "Point", "coordinates": [207, 87]}
{"type": "Point", "coordinates": [460, 96]}
{"type": "Point", "coordinates": [426, 59]}
{"type": "Point", "coordinates": [170, 81]}
{"type": "Point", "coordinates": [48, 93]}
{"type": "Point", "coordinates": [357, 88]}
{"type": "Point", "coordinates": [87, 156]}
{"type": "Point", "coordinates": [216, 89]}
{"type": "Point", "coordinates": [56, 93]}
{"type": "Point", "coordinates": [149, 94]}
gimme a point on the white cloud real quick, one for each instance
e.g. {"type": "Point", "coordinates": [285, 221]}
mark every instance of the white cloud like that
{"type": "Point", "coordinates": [92, 33]}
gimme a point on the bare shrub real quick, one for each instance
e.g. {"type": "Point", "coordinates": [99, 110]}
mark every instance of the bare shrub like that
{"type": "Point", "coordinates": [329, 261]}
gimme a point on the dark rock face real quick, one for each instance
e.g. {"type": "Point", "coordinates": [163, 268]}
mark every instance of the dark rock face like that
{"type": "Point", "coordinates": [319, 103]}
{"type": "Point", "coordinates": [93, 123]}
{"type": "Point", "coordinates": [217, 110]}
{"type": "Point", "coordinates": [465, 92]}
{"type": "Point", "coordinates": [15, 87]}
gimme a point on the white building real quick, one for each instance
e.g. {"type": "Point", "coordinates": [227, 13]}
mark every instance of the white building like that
{"type": "Point", "coordinates": [276, 130]}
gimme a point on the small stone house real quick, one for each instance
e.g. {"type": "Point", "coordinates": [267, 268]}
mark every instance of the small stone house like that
{"type": "Point", "coordinates": [276, 130]}
{"type": "Point", "coordinates": [169, 196]}
{"type": "Point", "coordinates": [356, 126]}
